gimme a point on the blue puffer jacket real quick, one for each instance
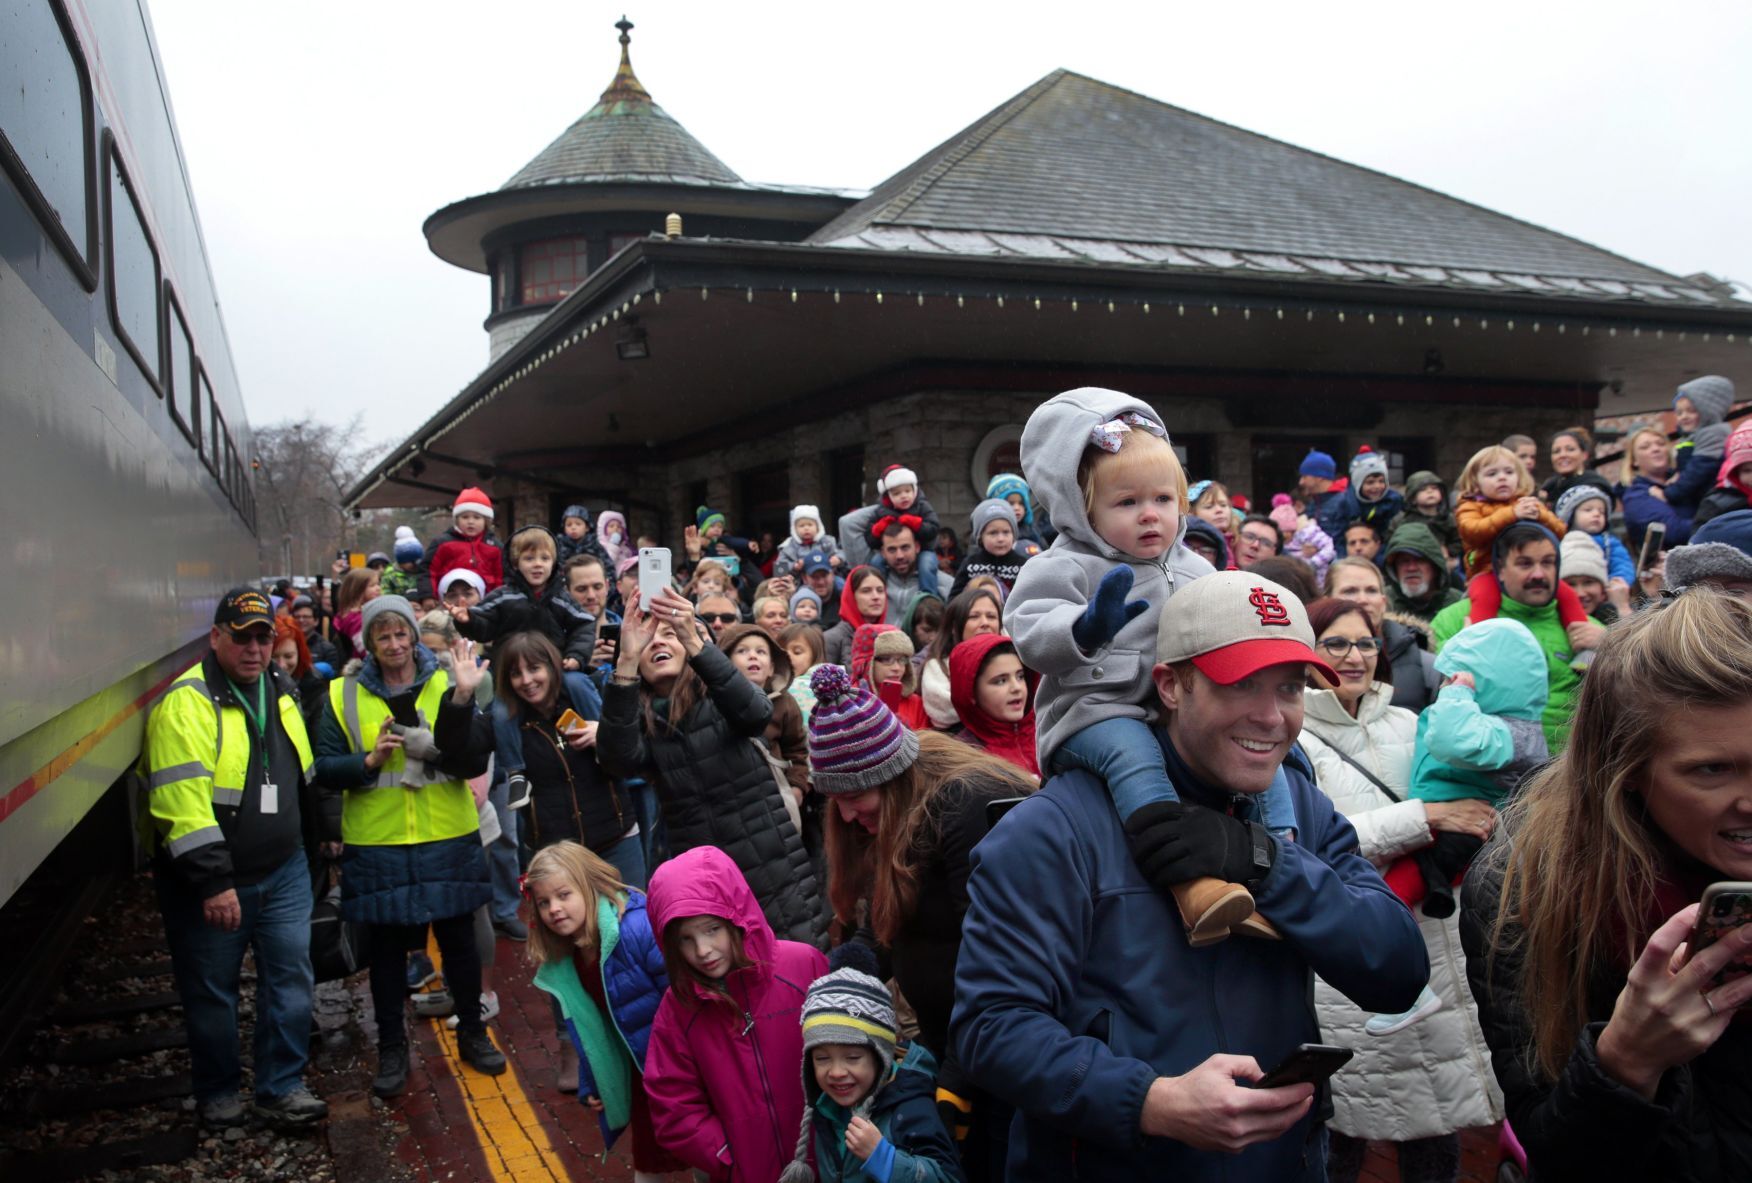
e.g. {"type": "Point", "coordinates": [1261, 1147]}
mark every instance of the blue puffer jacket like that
{"type": "Point", "coordinates": [634, 979]}
{"type": "Point", "coordinates": [1110, 996]}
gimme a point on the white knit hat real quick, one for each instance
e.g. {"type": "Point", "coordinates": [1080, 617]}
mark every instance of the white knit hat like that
{"type": "Point", "coordinates": [1580, 555]}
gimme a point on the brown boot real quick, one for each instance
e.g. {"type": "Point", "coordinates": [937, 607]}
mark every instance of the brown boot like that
{"type": "Point", "coordinates": [1257, 927]}
{"type": "Point", "coordinates": [568, 1074]}
{"type": "Point", "coordinates": [1210, 908]}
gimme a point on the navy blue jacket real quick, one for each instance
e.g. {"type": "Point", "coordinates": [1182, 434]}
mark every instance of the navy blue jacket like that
{"type": "Point", "coordinates": [1642, 509]}
{"type": "Point", "coordinates": [1075, 987]}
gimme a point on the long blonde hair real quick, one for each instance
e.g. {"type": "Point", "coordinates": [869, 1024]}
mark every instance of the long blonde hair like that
{"type": "Point", "coordinates": [1582, 861]}
{"type": "Point", "coordinates": [883, 867]}
{"type": "Point", "coordinates": [592, 877]}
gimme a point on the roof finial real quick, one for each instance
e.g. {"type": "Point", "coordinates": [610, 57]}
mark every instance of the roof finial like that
{"type": "Point", "coordinates": [626, 86]}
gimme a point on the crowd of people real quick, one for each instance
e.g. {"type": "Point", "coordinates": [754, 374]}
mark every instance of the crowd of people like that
{"type": "Point", "coordinates": [1070, 847]}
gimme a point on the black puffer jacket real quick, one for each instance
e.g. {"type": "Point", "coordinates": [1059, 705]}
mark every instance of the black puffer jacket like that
{"type": "Point", "coordinates": [716, 789]}
{"type": "Point", "coordinates": [1415, 680]}
{"type": "Point", "coordinates": [1585, 1125]}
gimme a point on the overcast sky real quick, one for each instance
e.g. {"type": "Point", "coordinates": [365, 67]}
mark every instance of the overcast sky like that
{"type": "Point", "coordinates": [319, 136]}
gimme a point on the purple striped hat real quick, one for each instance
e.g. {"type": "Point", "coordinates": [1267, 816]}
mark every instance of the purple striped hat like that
{"type": "Point", "coordinates": [855, 741]}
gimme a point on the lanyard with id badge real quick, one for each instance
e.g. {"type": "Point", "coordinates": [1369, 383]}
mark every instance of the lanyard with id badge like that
{"type": "Point", "coordinates": [258, 719]}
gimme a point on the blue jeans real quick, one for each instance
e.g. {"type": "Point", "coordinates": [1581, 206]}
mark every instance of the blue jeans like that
{"type": "Point", "coordinates": [502, 857]}
{"type": "Point", "coordinates": [208, 962]}
{"type": "Point", "coordinates": [927, 570]}
{"type": "Point", "coordinates": [628, 857]}
{"type": "Point", "coordinates": [1126, 755]}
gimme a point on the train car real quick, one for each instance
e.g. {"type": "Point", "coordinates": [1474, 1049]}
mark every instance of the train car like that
{"type": "Point", "coordinates": [123, 444]}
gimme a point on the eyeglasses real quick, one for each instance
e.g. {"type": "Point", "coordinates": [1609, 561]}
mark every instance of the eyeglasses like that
{"type": "Point", "coordinates": [1259, 539]}
{"type": "Point", "coordinates": [1339, 646]}
{"type": "Point", "coordinates": [719, 617]}
{"type": "Point", "coordinates": [265, 637]}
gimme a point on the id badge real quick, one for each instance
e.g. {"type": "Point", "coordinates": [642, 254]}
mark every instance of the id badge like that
{"type": "Point", "coordinates": [270, 797]}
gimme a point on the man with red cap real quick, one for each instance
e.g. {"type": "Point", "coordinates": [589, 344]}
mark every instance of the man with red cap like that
{"type": "Point", "coordinates": [1127, 1052]}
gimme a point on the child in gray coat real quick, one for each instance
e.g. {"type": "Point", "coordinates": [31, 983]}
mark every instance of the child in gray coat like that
{"type": "Point", "coordinates": [1100, 463]}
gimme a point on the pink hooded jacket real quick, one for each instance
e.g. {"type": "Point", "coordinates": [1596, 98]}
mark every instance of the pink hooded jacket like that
{"type": "Point", "coordinates": [725, 1081]}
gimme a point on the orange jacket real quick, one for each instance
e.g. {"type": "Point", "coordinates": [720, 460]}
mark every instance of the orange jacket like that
{"type": "Point", "coordinates": [1480, 522]}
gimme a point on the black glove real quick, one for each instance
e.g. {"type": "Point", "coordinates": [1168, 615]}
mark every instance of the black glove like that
{"type": "Point", "coordinates": [1173, 842]}
{"type": "Point", "coordinates": [954, 1099]}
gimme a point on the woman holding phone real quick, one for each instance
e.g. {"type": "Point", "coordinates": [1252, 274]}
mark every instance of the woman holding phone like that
{"type": "Point", "coordinates": [678, 713]}
{"type": "Point", "coordinates": [1619, 1054]}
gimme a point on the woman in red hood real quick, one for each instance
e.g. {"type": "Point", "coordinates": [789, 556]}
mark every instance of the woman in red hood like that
{"type": "Point", "coordinates": [863, 600]}
{"type": "Point", "coordinates": [994, 697]}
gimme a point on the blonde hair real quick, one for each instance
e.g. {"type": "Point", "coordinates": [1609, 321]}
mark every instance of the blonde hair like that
{"type": "Point", "coordinates": [592, 877]}
{"type": "Point", "coordinates": [1627, 470]}
{"type": "Point", "coordinates": [1583, 858]}
{"type": "Point", "coordinates": [439, 623]}
{"type": "Point", "coordinates": [1142, 454]}
{"type": "Point", "coordinates": [531, 538]}
{"type": "Point", "coordinates": [354, 584]}
{"type": "Point", "coordinates": [707, 567]}
{"type": "Point", "coordinates": [1467, 485]}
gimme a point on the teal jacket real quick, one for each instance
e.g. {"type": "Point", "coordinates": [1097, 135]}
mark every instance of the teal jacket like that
{"type": "Point", "coordinates": [1478, 743]}
{"type": "Point", "coordinates": [1562, 683]}
{"type": "Point", "coordinates": [915, 1147]}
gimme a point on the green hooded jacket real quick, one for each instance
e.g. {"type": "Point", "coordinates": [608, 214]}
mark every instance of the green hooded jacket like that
{"type": "Point", "coordinates": [1414, 534]}
{"type": "Point", "coordinates": [1562, 683]}
{"type": "Point", "coordinates": [1442, 521]}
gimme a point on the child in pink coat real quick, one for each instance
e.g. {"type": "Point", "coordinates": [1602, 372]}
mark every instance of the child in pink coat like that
{"type": "Point", "coordinates": [721, 1068]}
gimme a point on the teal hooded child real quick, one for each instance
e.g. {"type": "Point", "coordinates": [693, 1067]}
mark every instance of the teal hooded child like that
{"type": "Point", "coordinates": [1477, 742]}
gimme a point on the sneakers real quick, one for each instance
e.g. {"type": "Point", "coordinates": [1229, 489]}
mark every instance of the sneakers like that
{"type": "Point", "coordinates": [479, 1053]}
{"type": "Point", "coordinates": [421, 972]}
{"type": "Point", "coordinates": [489, 1008]}
{"type": "Point", "coordinates": [296, 1108]}
{"type": "Point", "coordinates": [392, 1071]}
{"type": "Point", "coordinates": [434, 1004]}
{"type": "Point", "coordinates": [518, 795]}
{"type": "Point", "coordinates": [511, 928]}
{"type": "Point", "coordinates": [223, 1113]}
{"type": "Point", "coordinates": [1428, 1003]}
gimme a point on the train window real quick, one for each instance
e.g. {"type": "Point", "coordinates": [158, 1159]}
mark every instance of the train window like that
{"type": "Point", "coordinates": [184, 402]}
{"type": "Point", "coordinates": [45, 123]}
{"type": "Point", "coordinates": [215, 454]}
{"type": "Point", "coordinates": [133, 274]}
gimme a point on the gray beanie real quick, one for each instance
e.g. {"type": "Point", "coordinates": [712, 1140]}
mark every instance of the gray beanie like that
{"type": "Point", "coordinates": [1712, 395]}
{"type": "Point", "coordinates": [989, 511]}
{"type": "Point", "coordinates": [1573, 499]}
{"type": "Point", "coordinates": [846, 1006]}
{"type": "Point", "coordinates": [1580, 555]}
{"type": "Point", "coordinates": [395, 605]}
{"type": "Point", "coordinates": [1366, 462]}
{"type": "Point", "coordinates": [1701, 562]}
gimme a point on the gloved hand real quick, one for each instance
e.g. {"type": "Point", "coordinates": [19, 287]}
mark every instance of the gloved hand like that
{"type": "Point", "coordinates": [1173, 842]}
{"type": "Point", "coordinates": [954, 1104]}
{"type": "Point", "coordinates": [1107, 612]}
{"type": "Point", "coordinates": [419, 744]}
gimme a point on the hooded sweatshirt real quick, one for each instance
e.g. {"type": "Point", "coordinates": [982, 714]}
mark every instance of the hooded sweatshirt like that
{"type": "Point", "coordinates": [1478, 743]}
{"type": "Point", "coordinates": [1414, 536]}
{"type": "Point", "coordinates": [721, 1070]}
{"type": "Point", "coordinates": [1441, 523]}
{"type": "Point", "coordinates": [618, 551]}
{"type": "Point", "coordinates": [1014, 742]}
{"type": "Point", "coordinates": [1697, 457]}
{"type": "Point", "coordinates": [1054, 588]}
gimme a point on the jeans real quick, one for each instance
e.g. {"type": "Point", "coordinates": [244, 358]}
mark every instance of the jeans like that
{"type": "Point", "coordinates": [628, 857]}
{"type": "Point", "coordinates": [208, 964]}
{"type": "Point", "coordinates": [502, 855]}
{"type": "Point", "coordinates": [651, 838]}
{"type": "Point", "coordinates": [927, 568]}
{"type": "Point", "coordinates": [1126, 755]}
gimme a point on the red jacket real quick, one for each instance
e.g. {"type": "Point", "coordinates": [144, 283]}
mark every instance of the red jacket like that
{"type": "Point", "coordinates": [1009, 741]}
{"type": "Point", "coordinates": [480, 554]}
{"type": "Point", "coordinates": [725, 1076]}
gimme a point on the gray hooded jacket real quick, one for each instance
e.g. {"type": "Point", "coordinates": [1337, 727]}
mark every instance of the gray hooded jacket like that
{"type": "Point", "coordinates": [1054, 588]}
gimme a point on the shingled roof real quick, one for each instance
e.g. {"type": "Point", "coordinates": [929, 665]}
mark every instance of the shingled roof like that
{"type": "Point", "coordinates": [626, 136]}
{"type": "Point", "coordinates": [1077, 169]}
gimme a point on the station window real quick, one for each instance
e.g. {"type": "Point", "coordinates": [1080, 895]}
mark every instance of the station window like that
{"type": "Point", "coordinates": [133, 274]}
{"type": "Point", "coordinates": [45, 123]}
{"type": "Point", "coordinates": [552, 270]}
{"type": "Point", "coordinates": [184, 400]}
{"type": "Point", "coordinates": [504, 279]}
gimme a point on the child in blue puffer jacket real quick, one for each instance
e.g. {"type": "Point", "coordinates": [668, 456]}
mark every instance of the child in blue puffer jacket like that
{"type": "Point", "coordinates": [597, 956]}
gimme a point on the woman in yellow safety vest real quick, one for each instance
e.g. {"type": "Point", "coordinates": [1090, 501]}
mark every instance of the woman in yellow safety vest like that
{"type": "Point", "coordinates": [400, 737]}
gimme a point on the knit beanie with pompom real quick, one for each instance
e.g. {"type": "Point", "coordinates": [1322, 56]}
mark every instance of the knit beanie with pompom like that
{"type": "Point", "coordinates": [1283, 512]}
{"type": "Point", "coordinates": [855, 741]}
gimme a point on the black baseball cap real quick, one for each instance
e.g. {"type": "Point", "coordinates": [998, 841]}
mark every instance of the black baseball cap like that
{"type": "Point", "coordinates": [242, 608]}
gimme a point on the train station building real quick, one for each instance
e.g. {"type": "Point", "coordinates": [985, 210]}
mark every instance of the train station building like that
{"type": "Point", "coordinates": [772, 345]}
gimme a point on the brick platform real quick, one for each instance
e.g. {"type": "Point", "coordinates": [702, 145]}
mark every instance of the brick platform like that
{"type": "Point", "coordinates": [460, 1126]}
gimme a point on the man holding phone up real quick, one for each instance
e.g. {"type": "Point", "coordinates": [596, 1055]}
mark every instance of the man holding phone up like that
{"type": "Point", "coordinates": [1128, 1053]}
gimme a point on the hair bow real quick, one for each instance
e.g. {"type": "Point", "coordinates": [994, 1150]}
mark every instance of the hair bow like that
{"type": "Point", "coordinates": [1109, 435]}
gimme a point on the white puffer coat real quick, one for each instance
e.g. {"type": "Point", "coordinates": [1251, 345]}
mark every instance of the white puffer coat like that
{"type": "Point", "coordinates": [1433, 1077]}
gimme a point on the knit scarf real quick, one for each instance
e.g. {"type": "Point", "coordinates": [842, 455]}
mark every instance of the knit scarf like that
{"type": "Point", "coordinates": [611, 1064]}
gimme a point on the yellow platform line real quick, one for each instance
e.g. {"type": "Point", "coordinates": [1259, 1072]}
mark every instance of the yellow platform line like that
{"type": "Point", "coordinates": [513, 1141]}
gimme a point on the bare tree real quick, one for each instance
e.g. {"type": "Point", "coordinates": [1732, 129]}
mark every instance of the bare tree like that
{"type": "Point", "coordinates": [304, 470]}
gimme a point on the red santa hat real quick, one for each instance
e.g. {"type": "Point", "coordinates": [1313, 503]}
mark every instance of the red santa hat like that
{"type": "Point", "coordinates": [473, 500]}
{"type": "Point", "coordinates": [894, 476]}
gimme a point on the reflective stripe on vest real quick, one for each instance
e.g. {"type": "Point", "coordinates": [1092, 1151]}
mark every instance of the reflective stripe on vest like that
{"type": "Point", "coordinates": [385, 812]}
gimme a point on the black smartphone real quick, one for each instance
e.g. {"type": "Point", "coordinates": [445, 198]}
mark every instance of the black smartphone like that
{"type": "Point", "coordinates": [1725, 907]}
{"type": "Point", "coordinates": [995, 810]}
{"type": "Point", "coordinates": [1309, 1064]}
{"type": "Point", "coordinates": [609, 633]}
{"type": "Point", "coordinates": [1654, 540]}
{"type": "Point", "coordinates": [403, 711]}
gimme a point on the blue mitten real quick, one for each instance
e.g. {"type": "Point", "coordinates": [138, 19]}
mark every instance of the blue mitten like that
{"type": "Point", "coordinates": [1107, 612]}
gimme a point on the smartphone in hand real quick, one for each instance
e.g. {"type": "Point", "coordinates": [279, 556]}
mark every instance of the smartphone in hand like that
{"type": "Point", "coordinates": [1310, 1063]}
{"type": "Point", "coordinates": [568, 721]}
{"type": "Point", "coordinates": [1654, 540]}
{"type": "Point", "coordinates": [1725, 907]}
{"type": "Point", "coordinates": [654, 573]}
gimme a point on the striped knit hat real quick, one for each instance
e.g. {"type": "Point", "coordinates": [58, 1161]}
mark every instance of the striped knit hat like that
{"type": "Point", "coordinates": [855, 742]}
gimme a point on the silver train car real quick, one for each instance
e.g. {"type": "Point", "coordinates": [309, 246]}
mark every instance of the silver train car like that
{"type": "Point", "coordinates": [123, 444]}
